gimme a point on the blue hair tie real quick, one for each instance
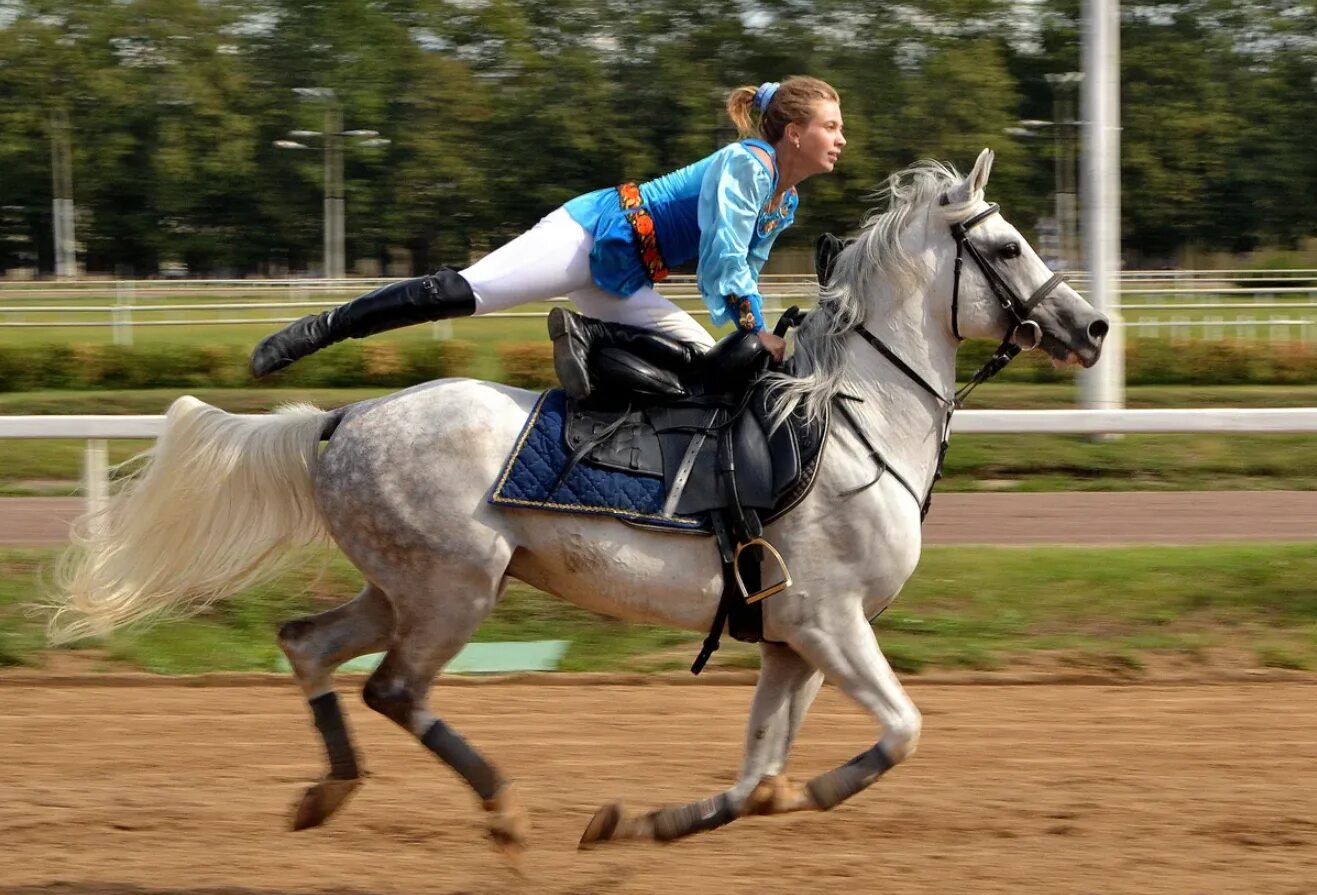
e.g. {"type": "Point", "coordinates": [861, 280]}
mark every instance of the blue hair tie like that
{"type": "Point", "coordinates": [764, 95]}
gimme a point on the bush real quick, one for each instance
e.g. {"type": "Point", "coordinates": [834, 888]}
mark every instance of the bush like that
{"type": "Point", "coordinates": [1292, 363]}
{"type": "Point", "coordinates": [1233, 362]}
{"type": "Point", "coordinates": [360, 363]}
{"type": "Point", "coordinates": [1162, 362]}
{"type": "Point", "coordinates": [528, 364]}
{"type": "Point", "coordinates": [423, 362]}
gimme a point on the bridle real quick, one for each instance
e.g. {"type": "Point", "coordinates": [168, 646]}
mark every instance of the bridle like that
{"type": "Point", "coordinates": [1020, 311]}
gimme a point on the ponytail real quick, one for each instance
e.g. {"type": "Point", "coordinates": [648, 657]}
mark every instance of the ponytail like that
{"type": "Point", "coordinates": [766, 110]}
{"type": "Point", "coordinates": [739, 104]}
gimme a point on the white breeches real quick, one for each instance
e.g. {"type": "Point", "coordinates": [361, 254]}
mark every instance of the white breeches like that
{"type": "Point", "coordinates": [551, 260]}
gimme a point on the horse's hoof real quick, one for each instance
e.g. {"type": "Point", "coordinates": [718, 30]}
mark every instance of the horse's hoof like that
{"type": "Point", "coordinates": [777, 795]}
{"type": "Point", "coordinates": [603, 826]}
{"type": "Point", "coordinates": [509, 827]}
{"type": "Point", "coordinates": [320, 802]}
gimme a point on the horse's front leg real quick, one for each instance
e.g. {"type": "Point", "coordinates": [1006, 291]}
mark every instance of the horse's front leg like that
{"type": "Point", "coordinates": [845, 649]}
{"type": "Point", "coordinates": [775, 794]}
{"type": "Point", "coordinates": [787, 685]}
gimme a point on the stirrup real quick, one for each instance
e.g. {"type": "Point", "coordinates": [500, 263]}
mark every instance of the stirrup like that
{"type": "Point", "coordinates": [772, 588]}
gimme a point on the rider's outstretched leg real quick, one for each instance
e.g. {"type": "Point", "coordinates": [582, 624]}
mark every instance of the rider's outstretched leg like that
{"type": "Point", "coordinates": [441, 295]}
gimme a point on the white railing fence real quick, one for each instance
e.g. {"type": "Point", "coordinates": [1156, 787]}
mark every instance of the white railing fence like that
{"type": "Point", "coordinates": [96, 430]}
{"type": "Point", "coordinates": [1188, 304]}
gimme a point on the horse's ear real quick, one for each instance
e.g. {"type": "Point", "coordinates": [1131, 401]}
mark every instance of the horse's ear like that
{"type": "Point", "coordinates": [978, 178]}
{"type": "Point", "coordinates": [826, 250]}
{"type": "Point", "coordinates": [974, 184]}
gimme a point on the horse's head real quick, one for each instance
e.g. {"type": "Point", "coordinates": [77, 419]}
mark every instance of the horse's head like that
{"type": "Point", "coordinates": [996, 286]}
{"type": "Point", "coordinates": [972, 273]}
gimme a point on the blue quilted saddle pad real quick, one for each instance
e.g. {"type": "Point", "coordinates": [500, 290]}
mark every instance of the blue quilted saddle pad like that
{"type": "Point", "coordinates": [541, 454]}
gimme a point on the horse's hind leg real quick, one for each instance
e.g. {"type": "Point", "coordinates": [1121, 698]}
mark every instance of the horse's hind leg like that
{"type": "Point", "coordinates": [315, 646]}
{"type": "Point", "coordinates": [427, 637]}
{"type": "Point", "coordinates": [787, 685]}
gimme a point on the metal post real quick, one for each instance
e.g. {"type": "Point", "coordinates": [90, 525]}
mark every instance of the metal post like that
{"type": "Point", "coordinates": [1103, 386]}
{"type": "Point", "coordinates": [1069, 129]}
{"type": "Point", "coordinates": [95, 474]}
{"type": "Point", "coordinates": [334, 224]}
{"type": "Point", "coordinates": [1063, 86]}
{"type": "Point", "coordinates": [1058, 187]}
{"type": "Point", "coordinates": [61, 173]}
{"type": "Point", "coordinates": [122, 315]}
{"type": "Point", "coordinates": [327, 255]}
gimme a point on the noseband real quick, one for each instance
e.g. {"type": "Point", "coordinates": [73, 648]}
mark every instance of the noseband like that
{"type": "Point", "coordinates": [1019, 309]}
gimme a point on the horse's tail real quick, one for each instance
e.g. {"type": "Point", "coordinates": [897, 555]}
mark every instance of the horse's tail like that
{"type": "Point", "coordinates": [212, 509]}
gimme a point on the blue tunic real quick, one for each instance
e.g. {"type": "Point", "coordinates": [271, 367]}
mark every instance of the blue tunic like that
{"type": "Point", "coordinates": [715, 210]}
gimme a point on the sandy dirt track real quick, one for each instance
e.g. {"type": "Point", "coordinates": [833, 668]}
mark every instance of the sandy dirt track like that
{"type": "Point", "coordinates": [1093, 517]}
{"type": "Point", "coordinates": [1019, 789]}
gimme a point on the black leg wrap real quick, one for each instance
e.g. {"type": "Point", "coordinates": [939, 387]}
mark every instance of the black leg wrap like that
{"type": "Point", "coordinates": [458, 754]}
{"type": "Point", "coordinates": [697, 817]}
{"type": "Point", "coordinates": [338, 745]}
{"type": "Point", "coordinates": [836, 786]}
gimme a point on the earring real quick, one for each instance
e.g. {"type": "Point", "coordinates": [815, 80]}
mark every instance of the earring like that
{"type": "Point", "coordinates": [797, 142]}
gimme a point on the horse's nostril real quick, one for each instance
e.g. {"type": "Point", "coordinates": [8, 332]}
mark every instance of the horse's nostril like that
{"type": "Point", "coordinates": [1098, 329]}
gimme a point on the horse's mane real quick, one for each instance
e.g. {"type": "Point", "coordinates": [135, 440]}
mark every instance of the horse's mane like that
{"type": "Point", "coordinates": [875, 255]}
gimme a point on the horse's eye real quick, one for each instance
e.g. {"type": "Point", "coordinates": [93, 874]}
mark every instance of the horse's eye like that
{"type": "Point", "coordinates": [1010, 250]}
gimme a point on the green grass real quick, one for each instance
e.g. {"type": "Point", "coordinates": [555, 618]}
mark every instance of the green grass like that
{"type": "Point", "coordinates": [1113, 609]}
{"type": "Point", "coordinates": [970, 606]}
{"type": "Point", "coordinates": [1131, 463]}
{"type": "Point", "coordinates": [985, 462]}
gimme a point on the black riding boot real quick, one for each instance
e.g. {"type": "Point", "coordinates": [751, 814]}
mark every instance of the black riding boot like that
{"type": "Point", "coordinates": [626, 359]}
{"type": "Point", "coordinates": [438, 296]}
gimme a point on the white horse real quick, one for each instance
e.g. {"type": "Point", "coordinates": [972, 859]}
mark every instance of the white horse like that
{"type": "Point", "coordinates": [403, 482]}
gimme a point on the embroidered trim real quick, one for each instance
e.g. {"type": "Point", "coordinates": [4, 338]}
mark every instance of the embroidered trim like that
{"type": "Point", "coordinates": [628, 195]}
{"type": "Point", "coordinates": [782, 216]}
{"type": "Point", "coordinates": [642, 225]}
{"type": "Point", "coordinates": [742, 310]}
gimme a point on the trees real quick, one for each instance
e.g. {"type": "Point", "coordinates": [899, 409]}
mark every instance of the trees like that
{"type": "Point", "coordinates": [498, 110]}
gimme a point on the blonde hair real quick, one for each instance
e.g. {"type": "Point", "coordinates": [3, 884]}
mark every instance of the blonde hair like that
{"type": "Point", "coordinates": [794, 100]}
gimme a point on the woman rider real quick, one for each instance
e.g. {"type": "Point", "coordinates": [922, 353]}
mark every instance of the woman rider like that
{"type": "Point", "coordinates": [605, 250]}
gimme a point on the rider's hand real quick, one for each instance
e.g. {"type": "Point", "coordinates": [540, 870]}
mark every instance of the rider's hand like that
{"type": "Point", "coordinates": [776, 346]}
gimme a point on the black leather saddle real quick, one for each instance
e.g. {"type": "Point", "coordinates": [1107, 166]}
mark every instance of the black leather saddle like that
{"type": "Point", "coordinates": [709, 450]}
{"type": "Point", "coordinates": [718, 453]}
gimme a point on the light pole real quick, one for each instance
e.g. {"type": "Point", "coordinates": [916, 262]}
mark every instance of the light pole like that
{"type": "Point", "coordinates": [333, 134]}
{"type": "Point", "coordinates": [1052, 243]}
{"type": "Point", "coordinates": [61, 179]}
{"type": "Point", "coordinates": [1064, 86]}
{"type": "Point", "coordinates": [1103, 386]}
